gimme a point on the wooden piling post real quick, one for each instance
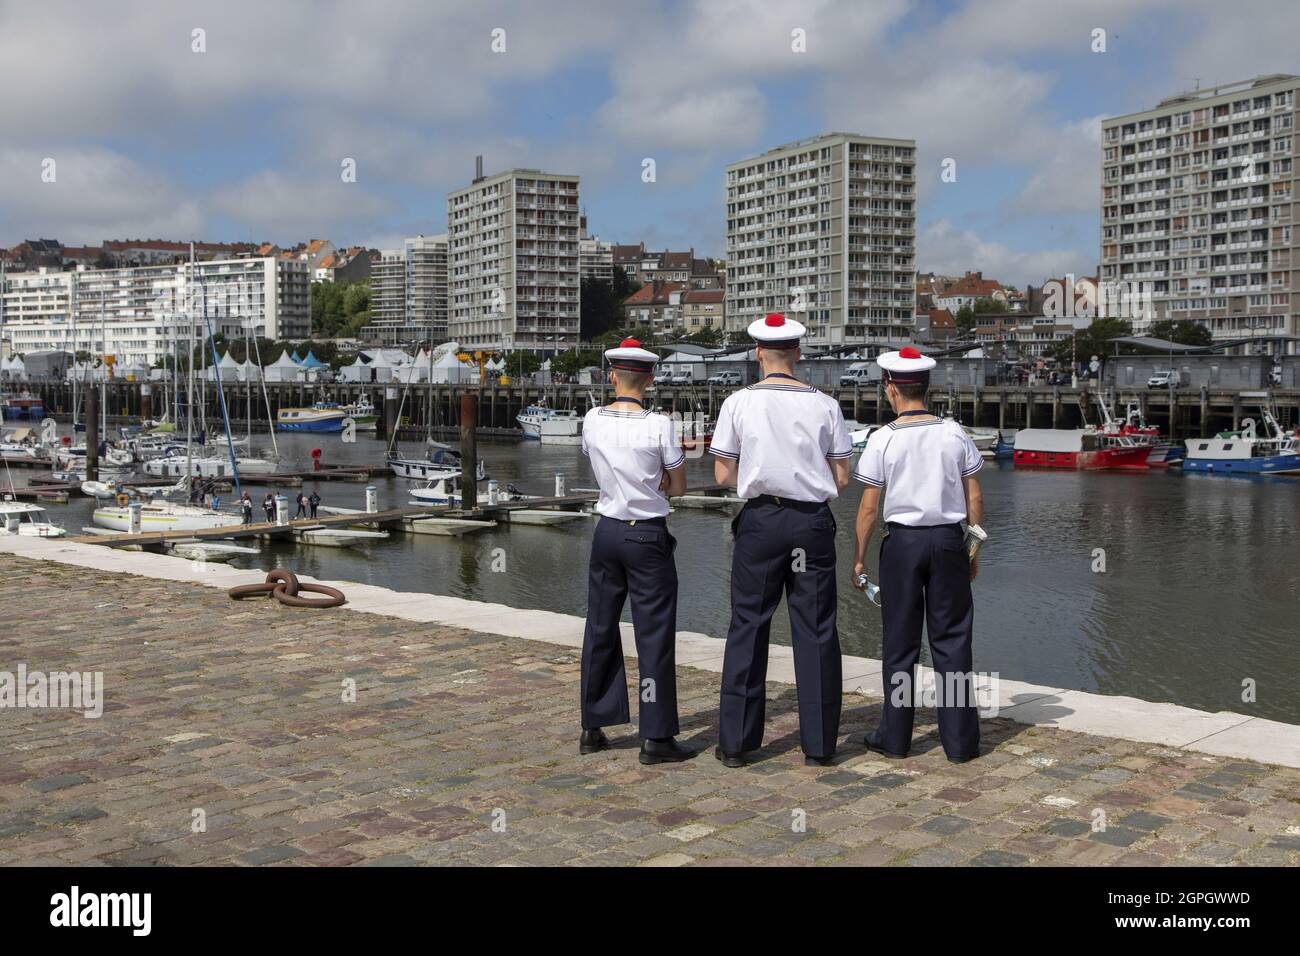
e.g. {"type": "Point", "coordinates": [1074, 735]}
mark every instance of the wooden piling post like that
{"type": "Point", "coordinates": [92, 432]}
{"type": "Point", "coordinates": [468, 449]}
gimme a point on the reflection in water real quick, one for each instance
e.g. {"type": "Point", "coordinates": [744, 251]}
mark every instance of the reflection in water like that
{"type": "Point", "coordinates": [1200, 589]}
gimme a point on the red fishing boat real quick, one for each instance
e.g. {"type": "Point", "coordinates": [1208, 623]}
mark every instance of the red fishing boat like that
{"type": "Point", "coordinates": [1079, 448]}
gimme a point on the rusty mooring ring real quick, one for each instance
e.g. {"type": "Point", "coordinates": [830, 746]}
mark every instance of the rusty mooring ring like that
{"type": "Point", "coordinates": [284, 586]}
{"type": "Point", "coordinates": [333, 596]}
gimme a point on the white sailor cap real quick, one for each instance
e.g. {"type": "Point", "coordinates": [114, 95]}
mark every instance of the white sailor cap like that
{"type": "Point", "coordinates": [776, 332]}
{"type": "Point", "coordinates": [905, 365]}
{"type": "Point", "coordinates": [630, 357]}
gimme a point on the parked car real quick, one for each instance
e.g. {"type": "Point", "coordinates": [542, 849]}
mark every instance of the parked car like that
{"type": "Point", "coordinates": [726, 378]}
{"type": "Point", "coordinates": [681, 378]}
{"type": "Point", "coordinates": [1163, 379]}
{"type": "Point", "coordinates": [662, 378]}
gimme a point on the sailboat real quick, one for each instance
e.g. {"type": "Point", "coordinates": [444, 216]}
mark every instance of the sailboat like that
{"type": "Point", "coordinates": [439, 458]}
{"type": "Point", "coordinates": [174, 516]}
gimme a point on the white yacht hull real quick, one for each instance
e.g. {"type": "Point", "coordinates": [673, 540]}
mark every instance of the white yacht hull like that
{"type": "Point", "coordinates": [164, 519]}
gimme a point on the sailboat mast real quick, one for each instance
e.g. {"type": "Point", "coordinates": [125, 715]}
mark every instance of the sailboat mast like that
{"type": "Point", "coordinates": [103, 386]}
{"type": "Point", "coordinates": [221, 395]}
{"type": "Point", "coordinates": [189, 380]}
{"type": "Point", "coordinates": [203, 367]}
{"type": "Point", "coordinates": [428, 414]}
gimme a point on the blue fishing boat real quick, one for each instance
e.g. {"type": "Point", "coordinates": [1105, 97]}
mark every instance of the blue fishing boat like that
{"type": "Point", "coordinates": [1245, 452]}
{"type": "Point", "coordinates": [321, 417]}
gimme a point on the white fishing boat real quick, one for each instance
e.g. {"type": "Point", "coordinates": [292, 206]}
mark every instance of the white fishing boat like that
{"type": "Point", "coordinates": [545, 424]}
{"type": "Point", "coordinates": [363, 415]}
{"type": "Point", "coordinates": [27, 520]}
{"type": "Point", "coordinates": [98, 489]}
{"type": "Point", "coordinates": [165, 516]}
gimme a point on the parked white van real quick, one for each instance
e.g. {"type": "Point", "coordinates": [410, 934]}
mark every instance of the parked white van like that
{"type": "Point", "coordinates": [861, 373]}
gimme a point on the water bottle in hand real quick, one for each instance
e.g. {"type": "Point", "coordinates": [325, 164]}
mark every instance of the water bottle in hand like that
{"type": "Point", "coordinates": [872, 591]}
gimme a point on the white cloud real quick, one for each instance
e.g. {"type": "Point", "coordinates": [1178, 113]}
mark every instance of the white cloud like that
{"type": "Point", "coordinates": [285, 208]}
{"type": "Point", "coordinates": [129, 67]}
{"type": "Point", "coordinates": [694, 81]}
{"type": "Point", "coordinates": [942, 247]}
{"type": "Point", "coordinates": [96, 194]}
{"type": "Point", "coordinates": [1068, 176]}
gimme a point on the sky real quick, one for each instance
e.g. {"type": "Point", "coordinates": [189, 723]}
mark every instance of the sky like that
{"type": "Point", "coordinates": [233, 122]}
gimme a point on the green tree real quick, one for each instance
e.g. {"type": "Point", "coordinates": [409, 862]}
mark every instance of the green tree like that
{"type": "Point", "coordinates": [522, 362]}
{"type": "Point", "coordinates": [336, 306]}
{"type": "Point", "coordinates": [569, 362]}
{"type": "Point", "coordinates": [1184, 332]}
{"type": "Point", "coordinates": [1096, 339]}
{"type": "Point", "coordinates": [964, 320]}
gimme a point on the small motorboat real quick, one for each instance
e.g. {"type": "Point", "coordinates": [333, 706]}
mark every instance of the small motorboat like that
{"type": "Point", "coordinates": [27, 520]}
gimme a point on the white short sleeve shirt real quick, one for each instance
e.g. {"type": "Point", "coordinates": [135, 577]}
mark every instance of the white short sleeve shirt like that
{"type": "Point", "coordinates": [629, 451]}
{"type": "Point", "coordinates": [782, 433]}
{"type": "Point", "coordinates": [920, 462]}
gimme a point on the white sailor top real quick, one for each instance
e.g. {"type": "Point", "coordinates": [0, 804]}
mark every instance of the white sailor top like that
{"type": "Point", "coordinates": [629, 451]}
{"type": "Point", "coordinates": [920, 462]}
{"type": "Point", "coordinates": [782, 432]}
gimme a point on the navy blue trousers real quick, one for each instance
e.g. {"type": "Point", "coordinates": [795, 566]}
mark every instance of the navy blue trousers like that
{"type": "Point", "coordinates": [782, 548]}
{"type": "Point", "coordinates": [925, 580]}
{"type": "Point", "coordinates": [633, 560]}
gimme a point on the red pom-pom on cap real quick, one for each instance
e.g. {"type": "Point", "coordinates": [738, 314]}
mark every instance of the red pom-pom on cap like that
{"type": "Point", "coordinates": [629, 344]}
{"type": "Point", "coordinates": [775, 319]}
{"type": "Point", "coordinates": [909, 353]}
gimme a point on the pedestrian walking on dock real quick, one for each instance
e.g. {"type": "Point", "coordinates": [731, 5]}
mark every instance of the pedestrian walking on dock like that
{"type": "Point", "coordinates": [638, 462]}
{"type": "Point", "coordinates": [926, 469]}
{"type": "Point", "coordinates": [784, 447]}
{"type": "Point", "coordinates": [314, 500]}
{"type": "Point", "coordinates": [302, 506]}
{"type": "Point", "coordinates": [246, 504]}
{"type": "Point", "coordinates": [268, 506]}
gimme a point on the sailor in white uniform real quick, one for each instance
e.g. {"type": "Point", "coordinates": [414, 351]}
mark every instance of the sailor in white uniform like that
{"type": "Point", "coordinates": [927, 470]}
{"type": "Point", "coordinates": [784, 446]}
{"type": "Point", "coordinates": [638, 462]}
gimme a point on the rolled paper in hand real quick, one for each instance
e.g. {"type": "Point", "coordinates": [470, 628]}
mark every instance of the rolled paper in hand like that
{"type": "Point", "coordinates": [975, 538]}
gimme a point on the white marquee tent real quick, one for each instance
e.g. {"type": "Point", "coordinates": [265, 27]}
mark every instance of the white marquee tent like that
{"type": "Point", "coordinates": [283, 369]}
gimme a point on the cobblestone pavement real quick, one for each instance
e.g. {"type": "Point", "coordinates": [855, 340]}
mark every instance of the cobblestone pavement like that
{"type": "Point", "coordinates": [461, 748]}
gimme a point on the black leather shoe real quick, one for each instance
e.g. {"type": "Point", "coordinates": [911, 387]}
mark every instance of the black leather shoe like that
{"type": "Point", "coordinates": [872, 742]}
{"type": "Point", "coordinates": [818, 761]}
{"type": "Point", "coordinates": [664, 751]}
{"type": "Point", "coordinates": [729, 760]}
{"type": "Point", "coordinates": [592, 741]}
{"type": "Point", "coordinates": [967, 759]}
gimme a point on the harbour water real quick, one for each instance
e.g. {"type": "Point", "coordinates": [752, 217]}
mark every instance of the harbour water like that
{"type": "Point", "coordinates": [1199, 596]}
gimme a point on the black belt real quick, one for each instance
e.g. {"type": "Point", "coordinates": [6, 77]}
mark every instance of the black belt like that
{"type": "Point", "coordinates": [894, 526]}
{"type": "Point", "coordinates": [785, 502]}
{"type": "Point", "coordinates": [660, 521]}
